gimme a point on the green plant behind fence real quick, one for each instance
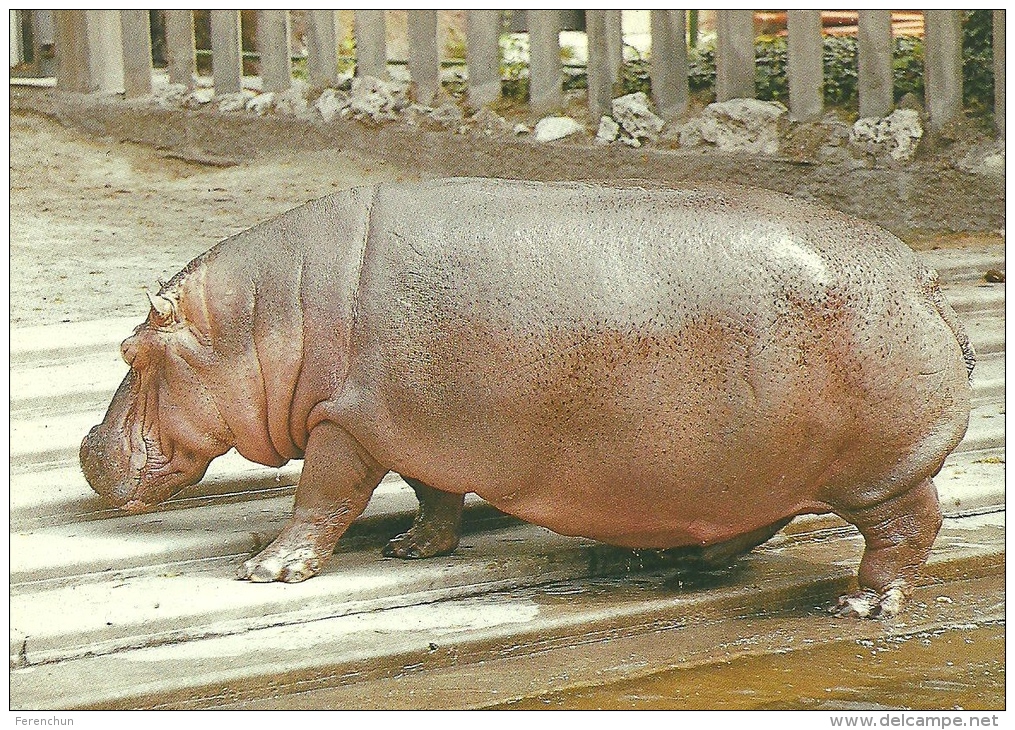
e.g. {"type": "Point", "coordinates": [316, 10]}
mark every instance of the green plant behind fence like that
{"type": "Point", "coordinates": [840, 68]}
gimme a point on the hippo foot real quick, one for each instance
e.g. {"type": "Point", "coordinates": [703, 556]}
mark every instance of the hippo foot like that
{"type": "Point", "coordinates": [869, 604]}
{"type": "Point", "coordinates": [289, 567]}
{"type": "Point", "coordinates": [416, 544]}
{"type": "Point", "coordinates": [287, 559]}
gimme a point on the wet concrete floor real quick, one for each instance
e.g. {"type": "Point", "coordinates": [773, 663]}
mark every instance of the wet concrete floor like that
{"type": "Point", "coordinates": [960, 667]}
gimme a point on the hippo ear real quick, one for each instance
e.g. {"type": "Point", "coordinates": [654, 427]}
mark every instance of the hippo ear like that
{"type": "Point", "coordinates": [163, 311]}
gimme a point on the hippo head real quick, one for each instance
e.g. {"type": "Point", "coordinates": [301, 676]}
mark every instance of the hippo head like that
{"type": "Point", "coordinates": [163, 426]}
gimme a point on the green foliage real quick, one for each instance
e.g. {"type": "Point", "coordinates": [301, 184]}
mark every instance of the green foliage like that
{"type": "Point", "coordinates": [701, 67]}
{"type": "Point", "coordinates": [907, 67]}
{"type": "Point", "coordinates": [838, 57]}
{"type": "Point", "coordinates": [978, 60]}
{"type": "Point", "coordinates": [635, 75]}
{"type": "Point", "coordinates": [770, 56]}
{"type": "Point", "coordinates": [514, 74]}
{"type": "Point", "coordinates": [840, 66]}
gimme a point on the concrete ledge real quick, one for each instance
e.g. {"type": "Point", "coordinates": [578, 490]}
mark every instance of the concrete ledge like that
{"type": "Point", "coordinates": [343, 654]}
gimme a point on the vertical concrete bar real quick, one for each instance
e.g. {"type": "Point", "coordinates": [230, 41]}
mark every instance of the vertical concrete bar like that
{"type": "Point", "coordinates": [424, 56]}
{"type": "Point", "coordinates": [273, 46]}
{"type": "Point", "coordinates": [71, 40]}
{"type": "Point", "coordinates": [614, 43]}
{"type": "Point", "coordinates": [180, 46]}
{"type": "Point", "coordinates": [942, 62]}
{"type": "Point", "coordinates": [42, 36]}
{"type": "Point", "coordinates": [998, 45]}
{"type": "Point", "coordinates": [544, 59]}
{"type": "Point", "coordinates": [734, 55]}
{"type": "Point", "coordinates": [135, 28]}
{"type": "Point", "coordinates": [805, 65]}
{"type": "Point", "coordinates": [600, 81]}
{"type": "Point", "coordinates": [482, 56]}
{"type": "Point", "coordinates": [668, 64]}
{"type": "Point", "coordinates": [105, 50]}
{"type": "Point", "coordinates": [874, 63]}
{"type": "Point", "coordinates": [226, 58]}
{"type": "Point", "coordinates": [371, 44]}
{"type": "Point", "coordinates": [322, 48]}
{"type": "Point", "coordinates": [18, 54]}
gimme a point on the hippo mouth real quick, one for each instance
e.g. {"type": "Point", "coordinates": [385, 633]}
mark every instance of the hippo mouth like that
{"type": "Point", "coordinates": [131, 472]}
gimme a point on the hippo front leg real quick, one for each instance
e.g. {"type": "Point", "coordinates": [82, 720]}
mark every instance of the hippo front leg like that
{"type": "Point", "coordinates": [337, 480]}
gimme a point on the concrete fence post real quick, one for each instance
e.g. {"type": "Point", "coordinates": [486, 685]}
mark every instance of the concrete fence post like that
{"type": "Point", "coordinates": [226, 56]}
{"type": "Point", "coordinates": [371, 44]}
{"type": "Point", "coordinates": [805, 65]}
{"type": "Point", "coordinates": [998, 45]}
{"type": "Point", "coordinates": [482, 56]}
{"type": "Point", "coordinates": [18, 54]}
{"type": "Point", "coordinates": [424, 56]}
{"type": "Point", "coordinates": [668, 63]}
{"type": "Point", "coordinates": [600, 81]}
{"type": "Point", "coordinates": [942, 59]}
{"type": "Point", "coordinates": [135, 28]}
{"type": "Point", "coordinates": [544, 59]}
{"type": "Point", "coordinates": [105, 50]}
{"type": "Point", "coordinates": [734, 55]}
{"type": "Point", "coordinates": [874, 63]}
{"type": "Point", "coordinates": [614, 43]}
{"type": "Point", "coordinates": [273, 46]}
{"type": "Point", "coordinates": [180, 46]}
{"type": "Point", "coordinates": [322, 48]}
{"type": "Point", "coordinates": [73, 71]}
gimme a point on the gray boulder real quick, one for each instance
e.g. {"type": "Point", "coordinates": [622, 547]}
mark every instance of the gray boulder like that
{"type": "Point", "coordinates": [737, 125]}
{"type": "Point", "coordinates": [634, 115]}
{"type": "Point", "coordinates": [894, 137]}
{"type": "Point", "coordinates": [551, 128]}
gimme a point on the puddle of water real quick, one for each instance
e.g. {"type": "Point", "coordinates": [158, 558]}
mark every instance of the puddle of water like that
{"type": "Point", "coordinates": [962, 667]}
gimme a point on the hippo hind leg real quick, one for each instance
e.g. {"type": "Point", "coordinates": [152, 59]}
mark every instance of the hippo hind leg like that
{"type": "Point", "coordinates": [898, 534]}
{"type": "Point", "coordinates": [436, 529]}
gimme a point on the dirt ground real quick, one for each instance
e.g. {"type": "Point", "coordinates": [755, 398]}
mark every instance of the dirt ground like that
{"type": "Point", "coordinates": [96, 221]}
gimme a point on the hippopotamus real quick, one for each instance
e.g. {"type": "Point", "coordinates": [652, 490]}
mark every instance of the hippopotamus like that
{"type": "Point", "coordinates": [650, 368]}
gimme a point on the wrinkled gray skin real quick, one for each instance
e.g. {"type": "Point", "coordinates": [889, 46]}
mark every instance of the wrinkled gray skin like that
{"type": "Point", "coordinates": [648, 368]}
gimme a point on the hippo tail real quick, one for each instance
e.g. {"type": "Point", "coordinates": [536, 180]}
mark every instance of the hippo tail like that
{"type": "Point", "coordinates": [932, 288]}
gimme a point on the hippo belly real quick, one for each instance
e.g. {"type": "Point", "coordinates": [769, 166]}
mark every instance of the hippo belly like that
{"type": "Point", "coordinates": [662, 377]}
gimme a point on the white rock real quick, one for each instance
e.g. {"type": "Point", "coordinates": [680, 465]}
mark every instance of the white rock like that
{"type": "Point", "coordinates": [551, 128]}
{"type": "Point", "coordinates": [631, 141]}
{"type": "Point", "coordinates": [608, 129]}
{"type": "Point", "coordinates": [330, 103]}
{"type": "Point", "coordinates": [236, 102]}
{"type": "Point", "coordinates": [521, 129]}
{"type": "Point", "coordinates": [262, 103]}
{"type": "Point", "coordinates": [737, 125]}
{"type": "Point", "coordinates": [895, 136]}
{"type": "Point", "coordinates": [294, 99]}
{"type": "Point", "coordinates": [375, 99]}
{"type": "Point", "coordinates": [633, 114]}
{"type": "Point", "coordinates": [170, 95]}
{"type": "Point", "coordinates": [447, 115]}
{"type": "Point", "coordinates": [489, 122]}
{"type": "Point", "coordinates": [985, 158]}
{"type": "Point", "coordinates": [200, 96]}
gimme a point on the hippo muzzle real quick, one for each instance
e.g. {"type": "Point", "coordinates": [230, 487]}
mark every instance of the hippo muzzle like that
{"type": "Point", "coordinates": [130, 460]}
